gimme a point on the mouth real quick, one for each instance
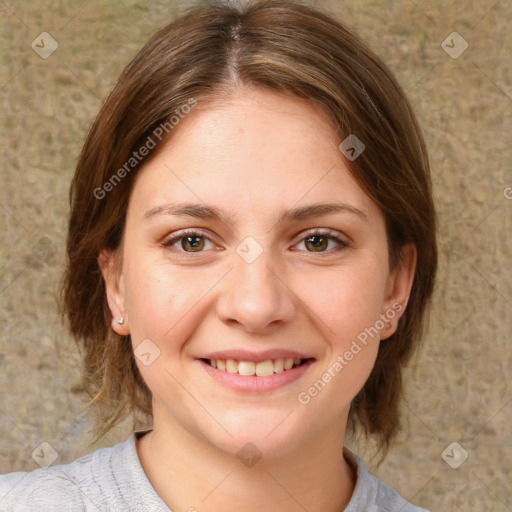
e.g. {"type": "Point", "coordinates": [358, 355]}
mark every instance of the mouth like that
{"type": "Point", "coordinates": [257, 369]}
{"type": "Point", "coordinates": [255, 374]}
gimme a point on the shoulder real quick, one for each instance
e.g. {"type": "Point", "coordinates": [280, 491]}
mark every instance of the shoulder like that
{"type": "Point", "coordinates": [372, 495]}
{"type": "Point", "coordinates": [109, 479]}
{"type": "Point", "coordinates": [74, 486]}
{"type": "Point", "coordinates": [40, 489]}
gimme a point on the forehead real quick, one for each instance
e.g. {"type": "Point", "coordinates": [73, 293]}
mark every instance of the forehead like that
{"type": "Point", "coordinates": [254, 153]}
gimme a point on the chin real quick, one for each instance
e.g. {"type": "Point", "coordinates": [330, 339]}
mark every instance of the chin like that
{"type": "Point", "coordinates": [257, 436]}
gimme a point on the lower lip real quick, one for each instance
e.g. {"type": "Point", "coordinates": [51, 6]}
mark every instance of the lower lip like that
{"type": "Point", "coordinates": [254, 384]}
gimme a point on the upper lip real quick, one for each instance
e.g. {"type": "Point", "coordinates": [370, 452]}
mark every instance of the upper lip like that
{"type": "Point", "coordinates": [256, 357]}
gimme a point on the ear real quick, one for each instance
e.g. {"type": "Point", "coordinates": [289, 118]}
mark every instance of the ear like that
{"type": "Point", "coordinates": [398, 290]}
{"type": "Point", "coordinates": [114, 284]}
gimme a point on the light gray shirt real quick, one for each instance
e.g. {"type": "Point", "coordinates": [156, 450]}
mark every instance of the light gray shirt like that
{"type": "Point", "coordinates": [113, 480]}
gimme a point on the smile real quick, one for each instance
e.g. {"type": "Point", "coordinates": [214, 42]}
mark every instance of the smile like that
{"type": "Point", "coordinates": [256, 377]}
{"type": "Point", "coordinates": [251, 368]}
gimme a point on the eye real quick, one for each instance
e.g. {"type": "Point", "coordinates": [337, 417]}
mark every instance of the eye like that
{"type": "Point", "coordinates": [318, 240]}
{"type": "Point", "coordinates": [191, 241]}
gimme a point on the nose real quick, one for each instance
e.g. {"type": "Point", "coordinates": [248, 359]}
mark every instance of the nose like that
{"type": "Point", "coordinates": [255, 297]}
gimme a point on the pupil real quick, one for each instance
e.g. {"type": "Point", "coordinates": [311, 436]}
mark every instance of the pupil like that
{"type": "Point", "coordinates": [196, 242]}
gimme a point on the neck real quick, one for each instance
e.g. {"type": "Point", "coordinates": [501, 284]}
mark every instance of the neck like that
{"type": "Point", "coordinates": [190, 474]}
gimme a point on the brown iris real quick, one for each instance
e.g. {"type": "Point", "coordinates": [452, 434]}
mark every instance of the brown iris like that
{"type": "Point", "coordinates": [317, 245]}
{"type": "Point", "coordinates": [195, 243]}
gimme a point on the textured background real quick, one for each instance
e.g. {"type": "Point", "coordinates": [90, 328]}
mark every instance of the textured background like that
{"type": "Point", "coordinates": [459, 389]}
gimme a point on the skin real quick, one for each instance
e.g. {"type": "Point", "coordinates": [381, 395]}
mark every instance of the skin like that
{"type": "Point", "coordinates": [252, 155]}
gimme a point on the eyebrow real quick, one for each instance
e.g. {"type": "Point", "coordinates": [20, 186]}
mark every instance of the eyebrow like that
{"type": "Point", "coordinates": [202, 211]}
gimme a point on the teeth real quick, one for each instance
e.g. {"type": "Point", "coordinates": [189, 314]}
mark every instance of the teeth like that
{"type": "Point", "coordinates": [231, 366]}
{"type": "Point", "coordinates": [246, 368]}
{"type": "Point", "coordinates": [265, 368]}
{"type": "Point", "coordinates": [261, 369]}
{"type": "Point", "coordinates": [279, 365]}
{"type": "Point", "coordinates": [288, 363]}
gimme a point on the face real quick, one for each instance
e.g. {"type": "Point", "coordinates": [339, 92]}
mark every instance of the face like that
{"type": "Point", "coordinates": [232, 264]}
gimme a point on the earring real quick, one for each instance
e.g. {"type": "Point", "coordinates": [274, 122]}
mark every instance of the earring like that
{"type": "Point", "coordinates": [120, 321]}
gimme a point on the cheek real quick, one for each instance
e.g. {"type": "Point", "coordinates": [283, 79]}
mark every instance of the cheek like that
{"type": "Point", "coordinates": [344, 301]}
{"type": "Point", "coordinates": [163, 303]}
{"type": "Point", "coordinates": [346, 305]}
{"type": "Point", "coordinates": [165, 306]}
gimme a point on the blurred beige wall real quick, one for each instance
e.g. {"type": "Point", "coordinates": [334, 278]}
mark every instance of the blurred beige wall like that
{"type": "Point", "coordinates": [459, 389]}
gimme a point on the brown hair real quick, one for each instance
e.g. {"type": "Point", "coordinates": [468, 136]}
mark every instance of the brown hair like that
{"type": "Point", "coordinates": [279, 46]}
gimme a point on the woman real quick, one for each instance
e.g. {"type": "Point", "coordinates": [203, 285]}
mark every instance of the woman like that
{"type": "Point", "coordinates": [251, 252]}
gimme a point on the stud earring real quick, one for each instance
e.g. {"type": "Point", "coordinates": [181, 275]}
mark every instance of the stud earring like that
{"type": "Point", "coordinates": [121, 320]}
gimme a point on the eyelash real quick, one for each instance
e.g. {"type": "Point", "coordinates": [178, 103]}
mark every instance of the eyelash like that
{"type": "Point", "coordinates": [317, 232]}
